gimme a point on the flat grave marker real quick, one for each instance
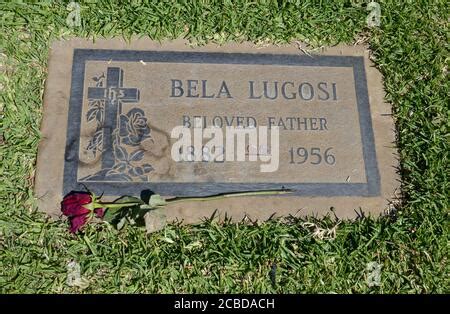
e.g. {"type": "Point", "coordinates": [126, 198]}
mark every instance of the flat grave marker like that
{"type": "Point", "coordinates": [315, 125]}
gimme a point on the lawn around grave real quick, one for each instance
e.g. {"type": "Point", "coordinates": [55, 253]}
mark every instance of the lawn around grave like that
{"type": "Point", "coordinates": [405, 251]}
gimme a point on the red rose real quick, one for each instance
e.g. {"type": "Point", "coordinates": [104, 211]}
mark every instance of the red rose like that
{"type": "Point", "coordinates": [78, 207]}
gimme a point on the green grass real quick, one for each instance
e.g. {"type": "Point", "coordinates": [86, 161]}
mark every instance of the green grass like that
{"type": "Point", "coordinates": [411, 50]}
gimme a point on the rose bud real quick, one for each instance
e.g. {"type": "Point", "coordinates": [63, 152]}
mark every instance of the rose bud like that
{"type": "Point", "coordinates": [79, 207]}
{"type": "Point", "coordinates": [76, 203]}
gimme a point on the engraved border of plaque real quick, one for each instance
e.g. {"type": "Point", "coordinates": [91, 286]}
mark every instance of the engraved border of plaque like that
{"type": "Point", "coordinates": [80, 56]}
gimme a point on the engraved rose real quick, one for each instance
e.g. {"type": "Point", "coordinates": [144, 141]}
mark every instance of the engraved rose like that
{"type": "Point", "coordinates": [133, 127]}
